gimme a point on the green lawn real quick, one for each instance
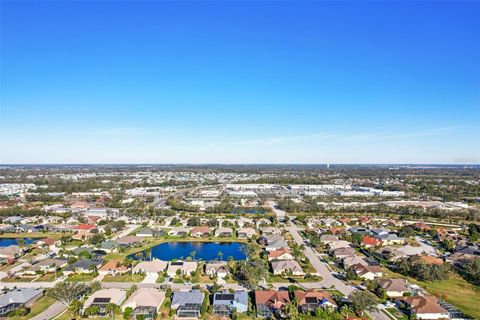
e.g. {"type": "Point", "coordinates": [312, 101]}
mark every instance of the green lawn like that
{"type": "Point", "coordinates": [37, 308]}
{"type": "Point", "coordinates": [124, 278]}
{"type": "Point", "coordinates": [455, 290]}
{"type": "Point", "coordinates": [397, 314]}
{"type": "Point", "coordinates": [81, 277]}
{"type": "Point", "coordinates": [458, 292]}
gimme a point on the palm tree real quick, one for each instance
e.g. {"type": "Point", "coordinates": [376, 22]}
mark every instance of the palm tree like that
{"type": "Point", "coordinates": [75, 307]}
{"type": "Point", "coordinates": [291, 310]}
{"type": "Point", "coordinates": [192, 254]}
{"type": "Point", "coordinates": [111, 308]}
{"type": "Point", "coordinates": [220, 255]}
{"type": "Point", "coordinates": [149, 251]}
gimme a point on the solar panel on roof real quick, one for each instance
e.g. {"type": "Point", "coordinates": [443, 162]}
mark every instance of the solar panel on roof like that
{"type": "Point", "coordinates": [101, 300]}
{"type": "Point", "coordinates": [176, 263]}
{"type": "Point", "coordinates": [225, 296]}
{"type": "Point", "coordinates": [311, 300]}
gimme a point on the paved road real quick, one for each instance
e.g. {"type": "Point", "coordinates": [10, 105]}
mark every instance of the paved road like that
{"type": "Point", "coordinates": [127, 231]}
{"type": "Point", "coordinates": [52, 311]}
{"type": "Point", "coordinates": [328, 279]}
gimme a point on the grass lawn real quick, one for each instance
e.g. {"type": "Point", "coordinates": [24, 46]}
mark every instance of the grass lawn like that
{"type": "Point", "coordinates": [48, 277]}
{"type": "Point", "coordinates": [32, 235]}
{"type": "Point", "coordinates": [20, 279]}
{"type": "Point", "coordinates": [458, 292]}
{"type": "Point", "coordinates": [81, 277]}
{"type": "Point", "coordinates": [37, 308]}
{"type": "Point", "coordinates": [125, 278]}
{"type": "Point", "coordinates": [455, 290]}
{"type": "Point", "coordinates": [397, 314]}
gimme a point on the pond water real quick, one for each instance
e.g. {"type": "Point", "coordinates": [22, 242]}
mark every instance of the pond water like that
{"type": "Point", "coordinates": [206, 251]}
{"type": "Point", "coordinates": [5, 242]}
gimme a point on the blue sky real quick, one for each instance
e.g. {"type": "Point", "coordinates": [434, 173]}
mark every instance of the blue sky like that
{"type": "Point", "coordinates": [240, 82]}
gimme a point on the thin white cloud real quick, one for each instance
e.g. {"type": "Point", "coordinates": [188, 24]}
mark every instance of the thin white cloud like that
{"type": "Point", "coordinates": [349, 137]}
{"type": "Point", "coordinates": [277, 140]}
{"type": "Point", "coordinates": [126, 131]}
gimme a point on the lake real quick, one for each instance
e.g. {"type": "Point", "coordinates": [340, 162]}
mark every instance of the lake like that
{"type": "Point", "coordinates": [5, 242]}
{"type": "Point", "coordinates": [206, 251]}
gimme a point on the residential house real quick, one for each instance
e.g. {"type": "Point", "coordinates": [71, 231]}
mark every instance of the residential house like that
{"type": "Point", "coordinates": [218, 269]}
{"type": "Point", "coordinates": [17, 298]}
{"type": "Point", "coordinates": [11, 252]}
{"type": "Point", "coordinates": [423, 307]}
{"type": "Point", "coordinates": [349, 261]}
{"type": "Point", "coordinates": [128, 241]}
{"type": "Point", "coordinates": [145, 302]}
{"type": "Point", "coordinates": [83, 266]}
{"type": "Point", "coordinates": [109, 245]}
{"type": "Point", "coordinates": [270, 303]}
{"type": "Point", "coordinates": [187, 304]}
{"type": "Point", "coordinates": [285, 266]}
{"type": "Point", "coordinates": [334, 245]}
{"type": "Point", "coordinates": [178, 232]}
{"type": "Point", "coordinates": [103, 297]}
{"type": "Point", "coordinates": [280, 254]}
{"type": "Point", "coordinates": [113, 267]}
{"type": "Point", "coordinates": [44, 266]}
{"type": "Point", "coordinates": [150, 267]}
{"type": "Point", "coordinates": [246, 233]}
{"type": "Point", "coordinates": [84, 231]}
{"type": "Point", "coordinates": [148, 232]}
{"type": "Point", "coordinates": [271, 231]}
{"type": "Point", "coordinates": [367, 272]}
{"type": "Point", "coordinates": [224, 232]}
{"type": "Point", "coordinates": [275, 242]}
{"type": "Point", "coordinates": [371, 242]}
{"type": "Point", "coordinates": [201, 232]}
{"type": "Point", "coordinates": [394, 287]}
{"type": "Point", "coordinates": [225, 303]}
{"type": "Point", "coordinates": [429, 260]}
{"type": "Point", "coordinates": [341, 253]}
{"type": "Point", "coordinates": [310, 301]}
{"type": "Point", "coordinates": [185, 267]}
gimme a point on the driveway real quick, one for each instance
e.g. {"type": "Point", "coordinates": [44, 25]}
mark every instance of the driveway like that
{"type": "Point", "coordinates": [52, 311]}
{"type": "Point", "coordinates": [150, 278]}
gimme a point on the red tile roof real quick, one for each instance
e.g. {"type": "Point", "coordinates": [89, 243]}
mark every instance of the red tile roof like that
{"type": "Point", "coordinates": [85, 226]}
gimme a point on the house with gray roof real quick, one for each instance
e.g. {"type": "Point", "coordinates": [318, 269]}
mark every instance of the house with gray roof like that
{"type": "Point", "coordinates": [83, 266]}
{"type": "Point", "coordinates": [225, 303]}
{"type": "Point", "coordinates": [187, 304]}
{"type": "Point", "coordinates": [17, 298]}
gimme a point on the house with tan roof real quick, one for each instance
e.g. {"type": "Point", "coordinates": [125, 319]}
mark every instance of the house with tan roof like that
{"type": "Point", "coordinates": [285, 266]}
{"type": "Point", "coordinates": [280, 254]}
{"type": "Point", "coordinates": [270, 303]}
{"type": "Point", "coordinates": [102, 298]}
{"type": "Point", "coordinates": [185, 267]}
{"type": "Point", "coordinates": [150, 267]}
{"type": "Point", "coordinates": [145, 302]}
{"type": "Point", "coordinates": [367, 272]}
{"type": "Point", "coordinates": [218, 269]}
{"type": "Point", "coordinates": [224, 232]}
{"type": "Point", "coordinates": [10, 252]}
{"type": "Point", "coordinates": [310, 301]}
{"type": "Point", "coordinates": [246, 233]}
{"type": "Point", "coordinates": [201, 231]}
{"type": "Point", "coordinates": [429, 260]}
{"type": "Point", "coordinates": [423, 307]}
{"type": "Point", "coordinates": [394, 287]}
{"type": "Point", "coordinates": [113, 267]}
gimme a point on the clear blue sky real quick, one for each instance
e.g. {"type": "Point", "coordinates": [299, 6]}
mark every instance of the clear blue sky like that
{"type": "Point", "coordinates": [240, 82]}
